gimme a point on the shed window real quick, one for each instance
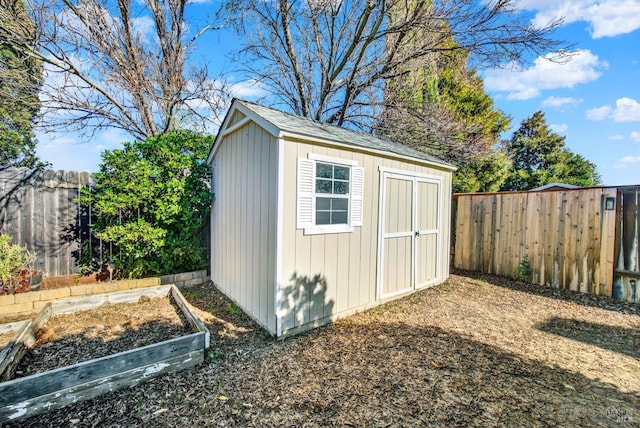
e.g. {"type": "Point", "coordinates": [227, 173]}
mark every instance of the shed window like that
{"type": "Point", "coordinates": [329, 195]}
{"type": "Point", "coordinates": [332, 180]}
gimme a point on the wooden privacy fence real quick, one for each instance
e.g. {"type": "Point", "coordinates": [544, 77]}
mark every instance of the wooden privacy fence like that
{"type": "Point", "coordinates": [38, 209]}
{"type": "Point", "coordinates": [583, 239]}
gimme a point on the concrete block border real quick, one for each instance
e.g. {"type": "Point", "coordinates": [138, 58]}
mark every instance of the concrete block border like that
{"type": "Point", "coordinates": [27, 303]}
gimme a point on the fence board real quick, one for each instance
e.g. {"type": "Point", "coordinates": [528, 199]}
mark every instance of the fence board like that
{"type": "Point", "coordinates": [626, 274]}
{"type": "Point", "coordinates": [568, 237]}
{"type": "Point", "coordinates": [37, 211]}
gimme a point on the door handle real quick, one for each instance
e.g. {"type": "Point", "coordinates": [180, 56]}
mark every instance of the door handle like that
{"type": "Point", "coordinates": [417, 233]}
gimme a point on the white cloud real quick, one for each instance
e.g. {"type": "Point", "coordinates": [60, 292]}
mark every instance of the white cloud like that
{"type": "Point", "coordinates": [52, 142]}
{"type": "Point", "coordinates": [635, 136]}
{"type": "Point", "coordinates": [561, 103]}
{"type": "Point", "coordinates": [559, 128]}
{"type": "Point", "coordinates": [143, 27]}
{"type": "Point", "coordinates": [248, 88]}
{"type": "Point", "coordinates": [599, 113]}
{"type": "Point", "coordinates": [544, 74]}
{"type": "Point", "coordinates": [626, 110]}
{"type": "Point", "coordinates": [616, 137]}
{"type": "Point", "coordinates": [626, 162]}
{"type": "Point", "coordinates": [606, 18]}
{"type": "Point", "coordinates": [524, 94]}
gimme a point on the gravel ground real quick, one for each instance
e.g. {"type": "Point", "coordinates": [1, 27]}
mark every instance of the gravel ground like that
{"type": "Point", "coordinates": [478, 350]}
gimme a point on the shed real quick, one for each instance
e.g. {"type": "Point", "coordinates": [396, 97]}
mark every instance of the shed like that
{"type": "Point", "coordinates": [312, 222]}
{"type": "Point", "coordinates": [556, 186]}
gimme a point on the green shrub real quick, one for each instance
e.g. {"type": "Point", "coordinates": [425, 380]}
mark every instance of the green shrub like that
{"type": "Point", "coordinates": [150, 202]}
{"type": "Point", "coordinates": [524, 269]}
{"type": "Point", "coordinates": [16, 263]}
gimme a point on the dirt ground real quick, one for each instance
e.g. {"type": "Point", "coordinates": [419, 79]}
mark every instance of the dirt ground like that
{"type": "Point", "coordinates": [474, 351]}
{"type": "Point", "coordinates": [67, 339]}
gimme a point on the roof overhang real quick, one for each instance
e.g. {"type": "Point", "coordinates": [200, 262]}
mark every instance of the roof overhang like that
{"type": "Point", "coordinates": [251, 116]}
{"type": "Point", "coordinates": [352, 147]}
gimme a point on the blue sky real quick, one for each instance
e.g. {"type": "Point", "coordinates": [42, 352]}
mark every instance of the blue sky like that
{"type": "Point", "coordinates": [593, 100]}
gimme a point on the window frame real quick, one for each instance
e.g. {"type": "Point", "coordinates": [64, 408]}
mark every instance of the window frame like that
{"type": "Point", "coordinates": [329, 196]}
{"type": "Point", "coordinates": [317, 229]}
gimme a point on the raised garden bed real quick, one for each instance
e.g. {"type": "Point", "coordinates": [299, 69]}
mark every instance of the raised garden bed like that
{"type": "Point", "coordinates": [42, 388]}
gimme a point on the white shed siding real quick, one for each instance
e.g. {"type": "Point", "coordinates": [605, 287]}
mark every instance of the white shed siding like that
{"type": "Point", "coordinates": [237, 117]}
{"type": "Point", "coordinates": [332, 274]}
{"type": "Point", "coordinates": [243, 221]}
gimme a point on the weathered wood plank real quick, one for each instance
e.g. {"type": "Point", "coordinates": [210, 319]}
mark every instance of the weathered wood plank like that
{"type": "Point", "coordinates": [11, 326]}
{"type": "Point", "coordinates": [24, 338]}
{"type": "Point", "coordinates": [457, 246]}
{"type": "Point", "coordinates": [15, 351]}
{"type": "Point", "coordinates": [195, 322]}
{"type": "Point", "coordinates": [42, 318]}
{"type": "Point", "coordinates": [607, 244]}
{"type": "Point", "coordinates": [41, 403]}
{"type": "Point", "coordinates": [19, 390]}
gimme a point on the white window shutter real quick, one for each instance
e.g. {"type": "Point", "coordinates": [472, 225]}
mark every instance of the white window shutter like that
{"type": "Point", "coordinates": [357, 195]}
{"type": "Point", "coordinates": [304, 211]}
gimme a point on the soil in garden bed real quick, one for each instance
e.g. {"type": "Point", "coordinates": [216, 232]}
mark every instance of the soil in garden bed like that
{"type": "Point", "coordinates": [111, 328]}
{"type": "Point", "coordinates": [6, 319]}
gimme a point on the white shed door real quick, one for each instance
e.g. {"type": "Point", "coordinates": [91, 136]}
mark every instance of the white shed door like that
{"type": "Point", "coordinates": [409, 233]}
{"type": "Point", "coordinates": [427, 248]}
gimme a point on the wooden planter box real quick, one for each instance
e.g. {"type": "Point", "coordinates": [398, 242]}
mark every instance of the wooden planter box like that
{"type": "Point", "coordinates": [39, 393]}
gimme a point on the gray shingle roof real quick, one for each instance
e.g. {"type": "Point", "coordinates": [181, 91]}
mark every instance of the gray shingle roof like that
{"type": "Point", "coordinates": [291, 123]}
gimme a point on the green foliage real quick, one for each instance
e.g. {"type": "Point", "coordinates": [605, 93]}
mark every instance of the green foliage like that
{"type": "Point", "coordinates": [524, 269]}
{"type": "Point", "coordinates": [20, 81]}
{"type": "Point", "coordinates": [482, 174]}
{"type": "Point", "coordinates": [233, 309]}
{"type": "Point", "coordinates": [214, 356]}
{"type": "Point", "coordinates": [462, 92]}
{"type": "Point", "coordinates": [150, 202]}
{"type": "Point", "coordinates": [14, 262]}
{"type": "Point", "coordinates": [539, 157]}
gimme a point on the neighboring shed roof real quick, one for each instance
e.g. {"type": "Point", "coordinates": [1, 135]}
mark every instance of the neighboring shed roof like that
{"type": "Point", "coordinates": [304, 127]}
{"type": "Point", "coordinates": [556, 186]}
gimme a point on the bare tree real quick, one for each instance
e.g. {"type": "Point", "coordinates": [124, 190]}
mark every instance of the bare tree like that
{"type": "Point", "coordinates": [119, 64]}
{"type": "Point", "coordinates": [433, 129]}
{"type": "Point", "coordinates": [330, 60]}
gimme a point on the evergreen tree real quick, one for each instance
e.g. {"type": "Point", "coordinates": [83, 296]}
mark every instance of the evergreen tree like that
{"type": "Point", "coordinates": [20, 81]}
{"type": "Point", "coordinates": [539, 156]}
{"type": "Point", "coordinates": [483, 174]}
